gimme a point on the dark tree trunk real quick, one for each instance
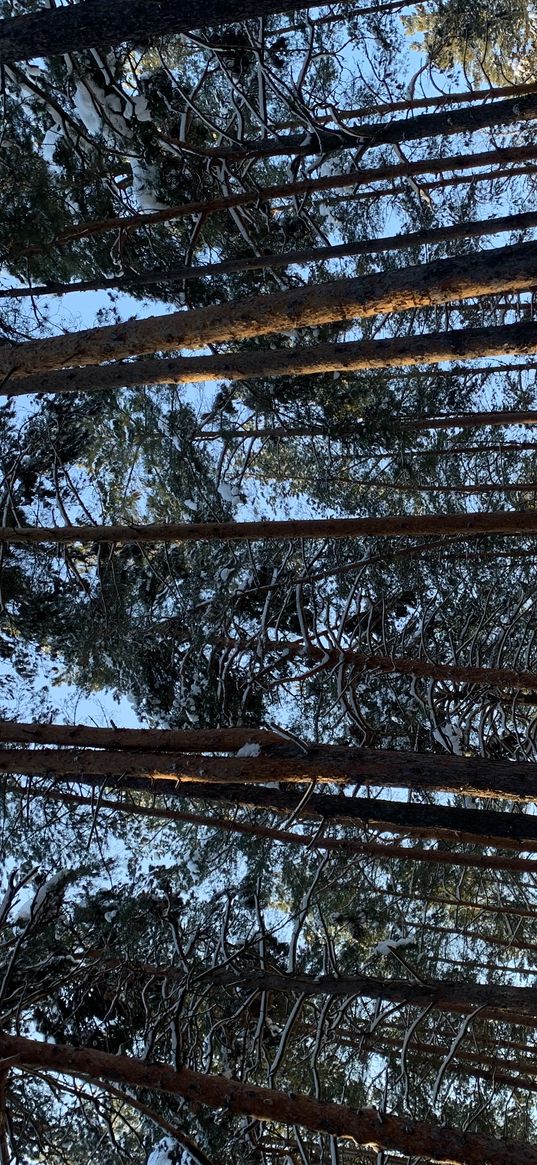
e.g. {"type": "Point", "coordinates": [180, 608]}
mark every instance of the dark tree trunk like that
{"type": "Point", "coordinates": [362, 137]}
{"type": "Point", "coordinates": [432, 236]}
{"type": "Point", "coordinates": [99, 23]}
{"type": "Point", "coordinates": [193, 777]}
{"type": "Point", "coordinates": [149, 750]}
{"type": "Point", "coordinates": [356, 178]}
{"type": "Point", "coordinates": [432, 855]}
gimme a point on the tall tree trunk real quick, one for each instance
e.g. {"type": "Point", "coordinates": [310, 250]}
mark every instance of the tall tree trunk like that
{"type": "Point", "coordinates": [355, 178]}
{"type": "Point", "coordinates": [362, 137]}
{"type": "Point", "coordinates": [512, 1004]}
{"type": "Point", "coordinates": [430, 856]}
{"type": "Point", "coordinates": [191, 776]}
{"type": "Point", "coordinates": [465, 230]}
{"type": "Point", "coordinates": [126, 752]}
{"type": "Point", "coordinates": [497, 677]}
{"type": "Point", "coordinates": [99, 24]}
{"type": "Point", "coordinates": [505, 269]}
{"type": "Point", "coordinates": [466, 97]}
{"type": "Point", "coordinates": [398, 352]}
{"type": "Point", "coordinates": [464, 421]}
{"type": "Point", "coordinates": [442, 1144]}
{"type": "Point", "coordinates": [497, 417]}
{"type": "Point", "coordinates": [508, 522]}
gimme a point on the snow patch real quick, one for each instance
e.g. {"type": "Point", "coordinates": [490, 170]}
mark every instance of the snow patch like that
{"type": "Point", "coordinates": [249, 750]}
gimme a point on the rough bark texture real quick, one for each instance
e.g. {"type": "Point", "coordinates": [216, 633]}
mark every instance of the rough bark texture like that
{"type": "Point", "coordinates": [148, 739]}
{"type": "Point", "coordinates": [433, 235]}
{"type": "Point", "coordinates": [505, 269]}
{"type": "Point", "coordinates": [99, 23]}
{"type": "Point", "coordinates": [287, 837]}
{"type": "Point", "coordinates": [187, 776]}
{"type": "Point", "coordinates": [509, 522]}
{"type": "Point", "coordinates": [443, 1145]}
{"type": "Point", "coordinates": [145, 749]}
{"type": "Point", "coordinates": [494, 1002]}
{"type": "Point", "coordinates": [405, 351]}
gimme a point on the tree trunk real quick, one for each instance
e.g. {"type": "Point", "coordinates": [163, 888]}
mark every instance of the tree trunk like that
{"type": "Point", "coordinates": [190, 776]}
{"type": "Point", "coordinates": [176, 758]}
{"type": "Point", "coordinates": [99, 24]}
{"type": "Point", "coordinates": [163, 740]}
{"type": "Point", "coordinates": [475, 420]}
{"type": "Point", "coordinates": [406, 853]}
{"type": "Point", "coordinates": [505, 269]}
{"type": "Point", "coordinates": [362, 137]}
{"type": "Point", "coordinates": [508, 522]}
{"type": "Point", "coordinates": [398, 352]}
{"type": "Point", "coordinates": [467, 97]}
{"type": "Point", "coordinates": [355, 178]}
{"type": "Point", "coordinates": [442, 1144]}
{"type": "Point", "coordinates": [464, 421]}
{"type": "Point", "coordinates": [511, 1004]}
{"type": "Point", "coordinates": [433, 235]}
{"type": "Point", "coordinates": [498, 677]}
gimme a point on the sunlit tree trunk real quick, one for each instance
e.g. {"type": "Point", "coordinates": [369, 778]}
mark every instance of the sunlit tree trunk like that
{"type": "Point", "coordinates": [267, 363]}
{"type": "Point", "coordinates": [440, 1144]}
{"type": "Point", "coordinates": [129, 751]}
{"type": "Point", "coordinates": [190, 776]}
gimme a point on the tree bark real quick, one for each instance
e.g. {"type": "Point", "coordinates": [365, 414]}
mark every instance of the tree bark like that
{"type": "Point", "coordinates": [466, 97]}
{"type": "Point", "coordinates": [399, 352]}
{"type": "Point", "coordinates": [499, 677]}
{"type": "Point", "coordinates": [130, 753]}
{"type": "Point", "coordinates": [508, 522]}
{"type": "Point", "coordinates": [429, 856]}
{"type": "Point", "coordinates": [464, 421]}
{"type": "Point", "coordinates": [191, 775]}
{"type": "Point", "coordinates": [362, 137]}
{"type": "Point", "coordinates": [505, 269]}
{"type": "Point", "coordinates": [163, 740]}
{"type": "Point", "coordinates": [512, 1004]}
{"type": "Point", "coordinates": [356, 178]}
{"type": "Point", "coordinates": [492, 226]}
{"type": "Point", "coordinates": [444, 1145]}
{"type": "Point", "coordinates": [97, 23]}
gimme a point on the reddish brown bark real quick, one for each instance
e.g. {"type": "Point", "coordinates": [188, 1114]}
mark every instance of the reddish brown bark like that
{"type": "Point", "coordinates": [503, 269]}
{"type": "Point", "coordinates": [499, 677]}
{"type": "Point", "coordinates": [444, 1145]}
{"type": "Point", "coordinates": [431, 856]}
{"type": "Point", "coordinates": [316, 359]}
{"type": "Point", "coordinates": [358, 177]}
{"type": "Point", "coordinates": [508, 522]}
{"type": "Point", "coordinates": [207, 779]}
{"type": "Point", "coordinates": [130, 752]}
